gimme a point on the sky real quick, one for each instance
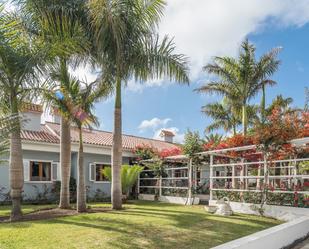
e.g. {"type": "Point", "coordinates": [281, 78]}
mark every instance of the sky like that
{"type": "Point", "coordinates": [202, 29]}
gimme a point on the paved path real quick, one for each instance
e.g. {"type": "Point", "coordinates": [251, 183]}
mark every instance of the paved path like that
{"type": "Point", "coordinates": [303, 245]}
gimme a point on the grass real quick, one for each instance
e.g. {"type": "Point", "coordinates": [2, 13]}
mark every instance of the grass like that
{"type": "Point", "coordinates": [139, 225]}
{"type": "Point", "coordinates": [5, 210]}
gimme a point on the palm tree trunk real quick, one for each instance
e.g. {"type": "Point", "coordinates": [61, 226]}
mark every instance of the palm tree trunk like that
{"type": "Point", "coordinates": [263, 116]}
{"type": "Point", "coordinates": [244, 118]}
{"type": "Point", "coordinates": [117, 151]}
{"type": "Point", "coordinates": [65, 162]}
{"type": "Point", "coordinates": [81, 190]}
{"type": "Point", "coordinates": [16, 167]}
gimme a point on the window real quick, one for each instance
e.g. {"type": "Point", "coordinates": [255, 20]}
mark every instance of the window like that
{"type": "Point", "coordinates": [99, 177]}
{"type": "Point", "coordinates": [40, 171]}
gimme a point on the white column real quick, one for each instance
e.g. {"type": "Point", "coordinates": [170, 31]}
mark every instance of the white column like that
{"type": "Point", "coordinates": [160, 186]}
{"type": "Point", "coordinates": [190, 181]}
{"type": "Point", "coordinates": [233, 177]}
{"type": "Point", "coordinates": [242, 174]}
{"type": "Point", "coordinates": [211, 178]}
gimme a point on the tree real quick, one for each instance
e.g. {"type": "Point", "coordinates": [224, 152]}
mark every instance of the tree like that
{"type": "Point", "coordinates": [129, 176]}
{"type": "Point", "coordinates": [63, 30]}
{"type": "Point", "coordinates": [281, 103]}
{"type": "Point", "coordinates": [130, 48]}
{"type": "Point", "coordinates": [242, 78]}
{"type": "Point", "coordinates": [213, 138]}
{"type": "Point", "coordinates": [223, 117]}
{"type": "Point", "coordinates": [19, 70]}
{"type": "Point", "coordinates": [8, 123]}
{"type": "Point", "coordinates": [75, 101]}
{"type": "Point", "coordinates": [227, 115]}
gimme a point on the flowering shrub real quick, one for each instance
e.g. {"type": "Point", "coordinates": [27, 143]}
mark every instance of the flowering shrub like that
{"type": "Point", "coordinates": [144, 152]}
{"type": "Point", "coordinates": [273, 136]}
{"type": "Point", "coordinates": [170, 152]}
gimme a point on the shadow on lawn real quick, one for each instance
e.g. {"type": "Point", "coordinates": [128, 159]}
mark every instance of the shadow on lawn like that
{"type": "Point", "coordinates": [178, 229]}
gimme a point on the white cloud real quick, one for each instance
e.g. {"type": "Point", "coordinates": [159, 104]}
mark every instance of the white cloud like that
{"type": "Point", "coordinates": [205, 28]}
{"type": "Point", "coordinates": [178, 138]}
{"type": "Point", "coordinates": [153, 123]}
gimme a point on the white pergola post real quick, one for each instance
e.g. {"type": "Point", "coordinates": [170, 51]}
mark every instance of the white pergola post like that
{"type": "Point", "coordinates": [211, 178]}
{"type": "Point", "coordinates": [160, 186]}
{"type": "Point", "coordinates": [233, 177]}
{"type": "Point", "coordinates": [190, 181]}
{"type": "Point", "coordinates": [242, 174]}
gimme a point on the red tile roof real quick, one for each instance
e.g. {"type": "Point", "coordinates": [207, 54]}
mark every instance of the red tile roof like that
{"type": "Point", "coordinates": [30, 107]}
{"type": "Point", "coordinates": [51, 133]}
{"type": "Point", "coordinates": [44, 135]}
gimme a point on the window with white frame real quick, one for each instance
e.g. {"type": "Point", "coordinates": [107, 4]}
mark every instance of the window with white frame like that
{"type": "Point", "coordinates": [40, 171]}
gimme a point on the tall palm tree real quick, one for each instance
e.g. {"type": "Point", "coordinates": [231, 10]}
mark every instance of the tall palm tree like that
{"type": "Point", "coordinates": [61, 28]}
{"type": "Point", "coordinates": [222, 115]}
{"type": "Point", "coordinates": [129, 48]}
{"type": "Point", "coordinates": [75, 101]}
{"type": "Point", "coordinates": [227, 115]}
{"type": "Point", "coordinates": [280, 102]}
{"type": "Point", "coordinates": [18, 74]}
{"type": "Point", "coordinates": [242, 78]}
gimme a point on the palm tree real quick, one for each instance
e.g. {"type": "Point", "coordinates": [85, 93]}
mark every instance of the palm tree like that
{"type": "Point", "coordinates": [62, 29]}
{"type": "Point", "coordinates": [8, 123]}
{"type": "Point", "coordinates": [223, 117]}
{"type": "Point", "coordinates": [282, 103]}
{"type": "Point", "coordinates": [214, 138]}
{"type": "Point", "coordinates": [18, 74]}
{"type": "Point", "coordinates": [129, 48]}
{"type": "Point", "coordinates": [75, 101]}
{"type": "Point", "coordinates": [242, 78]}
{"type": "Point", "coordinates": [226, 114]}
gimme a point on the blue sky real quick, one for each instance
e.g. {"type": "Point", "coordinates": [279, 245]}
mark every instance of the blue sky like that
{"type": "Point", "coordinates": [214, 29]}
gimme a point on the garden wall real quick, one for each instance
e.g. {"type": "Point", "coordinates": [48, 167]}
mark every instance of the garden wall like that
{"type": "Point", "coordinates": [273, 238]}
{"type": "Point", "coordinates": [170, 199]}
{"type": "Point", "coordinates": [277, 212]}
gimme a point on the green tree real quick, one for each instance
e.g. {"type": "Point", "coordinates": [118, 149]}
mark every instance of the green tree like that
{"type": "Point", "coordinates": [75, 101]}
{"type": "Point", "coordinates": [242, 78]}
{"type": "Point", "coordinates": [129, 48]}
{"type": "Point", "coordinates": [62, 29]}
{"type": "Point", "coordinates": [8, 123]}
{"type": "Point", "coordinates": [19, 71]}
{"type": "Point", "coordinates": [282, 103]}
{"type": "Point", "coordinates": [129, 176]}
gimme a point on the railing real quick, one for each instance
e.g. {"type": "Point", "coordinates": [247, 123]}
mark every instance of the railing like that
{"type": "Point", "coordinates": [160, 185]}
{"type": "Point", "coordinates": [277, 176]}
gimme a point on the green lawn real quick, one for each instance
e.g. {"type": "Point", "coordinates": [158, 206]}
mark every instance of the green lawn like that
{"type": "Point", "coordinates": [140, 225]}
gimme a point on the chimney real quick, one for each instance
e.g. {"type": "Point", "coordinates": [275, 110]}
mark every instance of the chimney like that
{"type": "Point", "coordinates": [167, 135]}
{"type": "Point", "coordinates": [55, 115]}
{"type": "Point", "coordinates": [32, 113]}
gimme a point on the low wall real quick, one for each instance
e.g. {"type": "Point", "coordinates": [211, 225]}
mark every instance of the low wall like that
{"type": "Point", "coordinates": [273, 238]}
{"type": "Point", "coordinates": [277, 212]}
{"type": "Point", "coordinates": [146, 197]}
{"type": "Point", "coordinates": [170, 199]}
{"type": "Point", "coordinates": [179, 200]}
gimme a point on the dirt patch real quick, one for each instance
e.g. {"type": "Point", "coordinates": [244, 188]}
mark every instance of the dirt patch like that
{"type": "Point", "coordinates": [46, 214]}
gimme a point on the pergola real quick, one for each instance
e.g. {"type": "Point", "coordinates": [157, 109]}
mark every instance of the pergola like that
{"type": "Point", "coordinates": [239, 169]}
